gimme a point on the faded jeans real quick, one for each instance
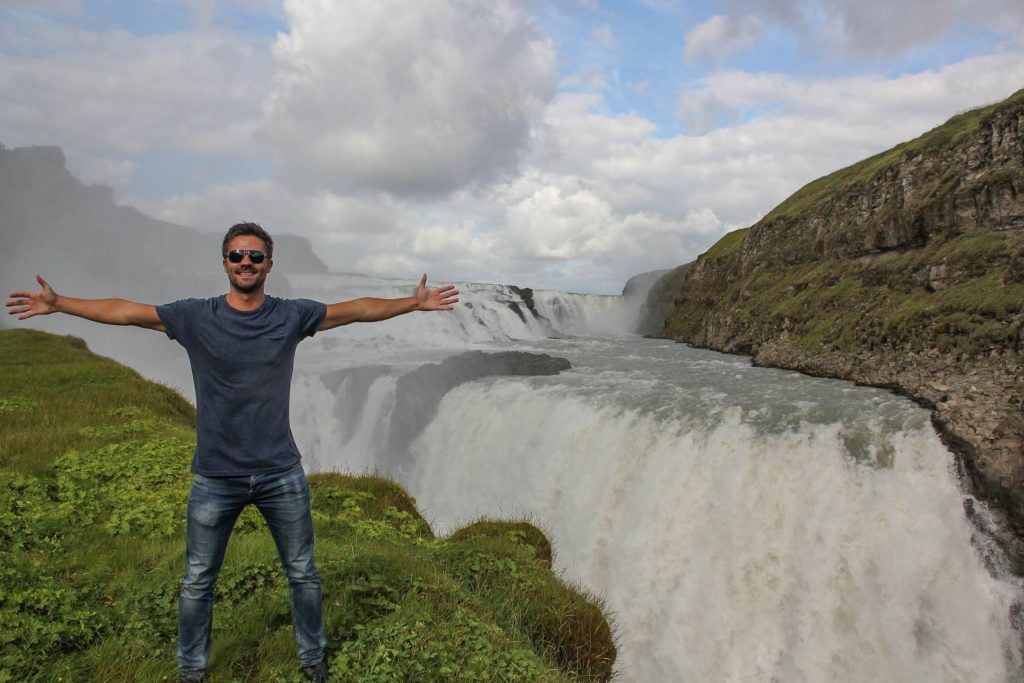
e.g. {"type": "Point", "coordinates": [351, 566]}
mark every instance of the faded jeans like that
{"type": "Point", "coordinates": [213, 506]}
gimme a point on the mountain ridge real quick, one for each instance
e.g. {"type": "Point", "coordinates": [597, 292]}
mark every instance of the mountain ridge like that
{"type": "Point", "coordinates": [904, 271]}
{"type": "Point", "coordinates": [53, 222]}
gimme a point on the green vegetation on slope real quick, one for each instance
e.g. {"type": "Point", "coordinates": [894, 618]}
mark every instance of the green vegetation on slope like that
{"type": "Point", "coordinates": [853, 305]}
{"type": "Point", "coordinates": [916, 249]}
{"type": "Point", "coordinates": [727, 246]}
{"type": "Point", "coordinates": [942, 137]}
{"type": "Point", "coordinates": [93, 486]}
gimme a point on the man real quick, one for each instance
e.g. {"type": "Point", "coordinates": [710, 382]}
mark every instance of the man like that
{"type": "Point", "coordinates": [241, 347]}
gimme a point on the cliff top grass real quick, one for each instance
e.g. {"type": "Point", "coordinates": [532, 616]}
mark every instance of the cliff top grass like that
{"type": "Point", "coordinates": [94, 477]}
{"type": "Point", "coordinates": [728, 245]}
{"type": "Point", "coordinates": [959, 293]}
{"type": "Point", "coordinates": [942, 137]}
{"type": "Point", "coordinates": [871, 304]}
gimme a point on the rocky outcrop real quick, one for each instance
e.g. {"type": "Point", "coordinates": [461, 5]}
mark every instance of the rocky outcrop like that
{"type": "Point", "coordinates": [419, 392]}
{"type": "Point", "coordinates": [652, 295]}
{"type": "Point", "coordinates": [904, 271]}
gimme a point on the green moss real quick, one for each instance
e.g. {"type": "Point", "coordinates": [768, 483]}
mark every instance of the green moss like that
{"type": "Point", "coordinates": [978, 246]}
{"type": "Point", "coordinates": [521, 532]}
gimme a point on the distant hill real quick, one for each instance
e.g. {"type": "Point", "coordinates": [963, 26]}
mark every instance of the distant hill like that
{"type": "Point", "coordinates": [52, 223]}
{"type": "Point", "coordinates": [905, 270]}
{"type": "Point", "coordinates": [85, 245]}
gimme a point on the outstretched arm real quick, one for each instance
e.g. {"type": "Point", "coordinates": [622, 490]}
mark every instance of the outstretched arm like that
{"type": "Point", "coordinates": [370, 309]}
{"type": "Point", "coordinates": [107, 311]}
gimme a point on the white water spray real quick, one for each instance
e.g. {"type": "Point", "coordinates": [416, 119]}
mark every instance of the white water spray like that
{"type": "Point", "coordinates": [727, 553]}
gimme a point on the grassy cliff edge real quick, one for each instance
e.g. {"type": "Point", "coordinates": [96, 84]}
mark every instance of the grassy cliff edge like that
{"type": "Point", "coordinates": [94, 477]}
{"type": "Point", "coordinates": [904, 271]}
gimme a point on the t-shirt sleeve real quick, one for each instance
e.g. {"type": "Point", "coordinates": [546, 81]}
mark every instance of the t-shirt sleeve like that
{"type": "Point", "coordinates": [175, 317]}
{"type": "Point", "coordinates": [311, 314]}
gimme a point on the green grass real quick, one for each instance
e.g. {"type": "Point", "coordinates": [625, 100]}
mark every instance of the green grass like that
{"type": "Point", "coordinates": [942, 137]}
{"type": "Point", "coordinates": [882, 303]}
{"type": "Point", "coordinates": [727, 245]}
{"type": "Point", "coordinates": [93, 483]}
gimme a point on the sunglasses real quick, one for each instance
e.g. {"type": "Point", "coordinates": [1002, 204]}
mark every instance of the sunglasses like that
{"type": "Point", "coordinates": [255, 255]}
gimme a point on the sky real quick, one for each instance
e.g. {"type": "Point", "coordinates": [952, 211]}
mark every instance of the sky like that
{"type": "Point", "coordinates": [558, 145]}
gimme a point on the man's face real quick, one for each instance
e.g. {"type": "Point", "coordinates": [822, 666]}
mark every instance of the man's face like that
{"type": "Point", "coordinates": [247, 276]}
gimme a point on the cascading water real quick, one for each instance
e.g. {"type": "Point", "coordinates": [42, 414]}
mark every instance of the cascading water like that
{"type": "Point", "coordinates": [742, 524]}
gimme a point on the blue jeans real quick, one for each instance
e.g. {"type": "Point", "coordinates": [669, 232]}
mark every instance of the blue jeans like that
{"type": "Point", "coordinates": [213, 506]}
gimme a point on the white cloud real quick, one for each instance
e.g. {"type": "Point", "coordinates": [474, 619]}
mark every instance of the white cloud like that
{"type": "Point", "coordinates": [217, 207]}
{"type": "Point", "coordinates": [721, 36]}
{"type": "Point", "coordinates": [910, 102]}
{"type": "Point", "coordinates": [205, 11]}
{"type": "Point", "coordinates": [778, 132]}
{"type": "Point", "coordinates": [588, 77]}
{"type": "Point", "coordinates": [128, 94]}
{"type": "Point", "coordinates": [411, 98]}
{"type": "Point", "coordinates": [424, 137]}
{"type": "Point", "coordinates": [573, 134]}
{"type": "Point", "coordinates": [58, 7]}
{"type": "Point", "coordinates": [640, 87]}
{"type": "Point", "coordinates": [664, 6]}
{"type": "Point", "coordinates": [878, 29]}
{"type": "Point", "coordinates": [602, 197]}
{"type": "Point", "coordinates": [869, 30]}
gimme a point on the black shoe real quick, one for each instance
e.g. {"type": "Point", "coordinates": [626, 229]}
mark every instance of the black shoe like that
{"type": "Point", "coordinates": [316, 673]}
{"type": "Point", "coordinates": [191, 679]}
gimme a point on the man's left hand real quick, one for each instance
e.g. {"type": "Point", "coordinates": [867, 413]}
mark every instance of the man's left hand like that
{"type": "Point", "coordinates": [440, 299]}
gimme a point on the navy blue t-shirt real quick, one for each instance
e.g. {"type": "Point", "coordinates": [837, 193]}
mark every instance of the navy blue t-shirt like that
{"type": "Point", "coordinates": [242, 368]}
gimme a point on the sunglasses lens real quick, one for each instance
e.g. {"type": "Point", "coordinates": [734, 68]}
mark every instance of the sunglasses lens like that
{"type": "Point", "coordinates": [237, 255]}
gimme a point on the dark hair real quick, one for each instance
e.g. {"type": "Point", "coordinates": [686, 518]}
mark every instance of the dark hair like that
{"type": "Point", "coordinates": [253, 229]}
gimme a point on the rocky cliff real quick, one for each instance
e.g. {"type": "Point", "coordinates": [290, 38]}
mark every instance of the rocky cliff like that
{"type": "Point", "coordinates": [905, 271]}
{"type": "Point", "coordinates": [652, 294]}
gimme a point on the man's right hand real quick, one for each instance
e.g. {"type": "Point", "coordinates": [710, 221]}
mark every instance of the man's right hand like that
{"type": "Point", "coordinates": [106, 311]}
{"type": "Point", "coordinates": [27, 304]}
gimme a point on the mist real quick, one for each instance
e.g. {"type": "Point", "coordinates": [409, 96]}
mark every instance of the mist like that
{"type": "Point", "coordinates": [85, 245]}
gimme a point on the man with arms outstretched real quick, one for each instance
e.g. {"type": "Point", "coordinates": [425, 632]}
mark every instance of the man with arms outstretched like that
{"type": "Point", "coordinates": [241, 346]}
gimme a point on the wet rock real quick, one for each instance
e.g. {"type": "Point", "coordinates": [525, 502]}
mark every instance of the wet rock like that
{"type": "Point", "coordinates": [354, 382]}
{"type": "Point", "coordinates": [526, 294]}
{"type": "Point", "coordinates": [419, 392]}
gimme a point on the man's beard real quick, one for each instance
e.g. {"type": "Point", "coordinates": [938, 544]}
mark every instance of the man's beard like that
{"type": "Point", "coordinates": [250, 287]}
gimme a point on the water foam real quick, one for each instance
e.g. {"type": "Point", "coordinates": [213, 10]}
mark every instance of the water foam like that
{"type": "Point", "coordinates": [727, 553]}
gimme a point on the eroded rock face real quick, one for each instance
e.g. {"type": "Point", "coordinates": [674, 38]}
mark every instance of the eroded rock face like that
{"type": "Point", "coordinates": [904, 272]}
{"type": "Point", "coordinates": [419, 392]}
{"type": "Point", "coordinates": [657, 290]}
{"type": "Point", "coordinates": [930, 191]}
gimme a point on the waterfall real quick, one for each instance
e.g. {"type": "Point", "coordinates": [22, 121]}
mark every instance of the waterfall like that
{"type": "Point", "coordinates": [741, 523]}
{"type": "Point", "coordinates": [727, 552]}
